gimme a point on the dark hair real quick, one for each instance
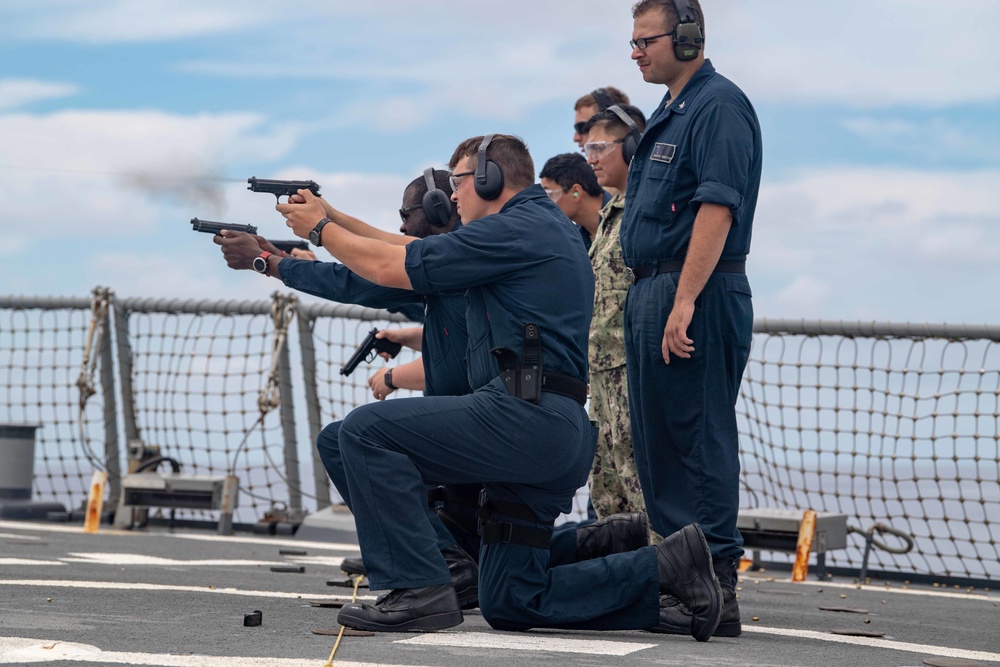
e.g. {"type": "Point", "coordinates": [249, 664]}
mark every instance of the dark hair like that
{"type": "Point", "coordinates": [569, 169]}
{"type": "Point", "coordinates": [616, 96]}
{"type": "Point", "coordinates": [613, 124]}
{"type": "Point", "coordinates": [509, 152]}
{"type": "Point", "coordinates": [441, 181]}
{"type": "Point", "coordinates": [418, 186]}
{"type": "Point", "coordinates": [669, 12]}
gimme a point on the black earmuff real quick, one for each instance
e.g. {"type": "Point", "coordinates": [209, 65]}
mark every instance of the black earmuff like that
{"type": "Point", "coordinates": [489, 176]}
{"type": "Point", "coordinates": [437, 204]}
{"type": "Point", "coordinates": [688, 39]}
{"type": "Point", "coordinates": [602, 98]}
{"type": "Point", "coordinates": [631, 142]}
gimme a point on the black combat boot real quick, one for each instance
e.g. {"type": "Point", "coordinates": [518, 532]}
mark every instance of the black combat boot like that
{"type": "Point", "coordinates": [464, 574]}
{"type": "Point", "coordinates": [615, 534]}
{"type": "Point", "coordinates": [686, 572]}
{"type": "Point", "coordinates": [405, 610]}
{"type": "Point", "coordinates": [675, 617]}
{"type": "Point", "coordinates": [353, 566]}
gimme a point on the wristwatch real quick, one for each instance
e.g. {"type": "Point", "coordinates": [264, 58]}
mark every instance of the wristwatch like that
{"type": "Point", "coordinates": [387, 378]}
{"type": "Point", "coordinates": [260, 262]}
{"type": "Point", "coordinates": [316, 235]}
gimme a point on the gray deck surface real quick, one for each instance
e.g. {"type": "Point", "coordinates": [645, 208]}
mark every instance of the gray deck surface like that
{"type": "Point", "coordinates": [153, 598]}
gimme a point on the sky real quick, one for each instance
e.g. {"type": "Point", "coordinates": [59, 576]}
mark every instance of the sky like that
{"type": "Point", "coordinates": [122, 120]}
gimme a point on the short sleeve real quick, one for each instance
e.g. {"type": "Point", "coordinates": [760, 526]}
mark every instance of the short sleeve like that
{"type": "Point", "coordinates": [482, 252]}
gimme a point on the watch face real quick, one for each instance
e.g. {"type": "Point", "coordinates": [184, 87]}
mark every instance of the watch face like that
{"type": "Point", "coordinates": [314, 237]}
{"type": "Point", "coordinates": [260, 265]}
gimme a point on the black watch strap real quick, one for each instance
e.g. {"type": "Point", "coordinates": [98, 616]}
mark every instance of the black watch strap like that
{"type": "Point", "coordinates": [316, 235]}
{"type": "Point", "coordinates": [387, 378]}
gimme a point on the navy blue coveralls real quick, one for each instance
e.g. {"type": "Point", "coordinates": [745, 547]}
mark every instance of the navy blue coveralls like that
{"type": "Point", "coordinates": [443, 347]}
{"type": "Point", "coordinates": [524, 264]}
{"type": "Point", "coordinates": [703, 148]}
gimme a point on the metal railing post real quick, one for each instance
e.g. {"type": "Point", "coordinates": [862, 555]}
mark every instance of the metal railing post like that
{"type": "Point", "coordinates": [308, 352]}
{"type": "Point", "coordinates": [285, 309]}
{"type": "Point", "coordinates": [111, 456]}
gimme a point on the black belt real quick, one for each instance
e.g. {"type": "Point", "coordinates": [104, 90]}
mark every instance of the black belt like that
{"type": "Point", "coordinates": [566, 385]}
{"type": "Point", "coordinates": [675, 265]}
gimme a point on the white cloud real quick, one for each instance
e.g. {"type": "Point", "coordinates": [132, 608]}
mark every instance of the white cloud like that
{"type": "Point", "coordinates": [117, 21]}
{"type": "Point", "coordinates": [15, 93]}
{"type": "Point", "coordinates": [849, 242]}
{"type": "Point", "coordinates": [98, 172]}
{"type": "Point", "coordinates": [497, 65]}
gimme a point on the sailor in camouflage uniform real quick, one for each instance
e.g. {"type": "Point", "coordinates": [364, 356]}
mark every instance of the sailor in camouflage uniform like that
{"type": "Point", "coordinates": [614, 484]}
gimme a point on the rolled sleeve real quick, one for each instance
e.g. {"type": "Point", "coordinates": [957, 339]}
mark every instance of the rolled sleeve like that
{"type": "Point", "coordinates": [719, 193]}
{"type": "Point", "coordinates": [415, 269]}
{"type": "Point", "coordinates": [723, 137]}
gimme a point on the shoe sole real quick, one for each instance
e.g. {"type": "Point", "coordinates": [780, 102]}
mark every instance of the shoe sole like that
{"type": "Point", "coordinates": [468, 598]}
{"type": "Point", "coordinates": [727, 629]}
{"type": "Point", "coordinates": [423, 624]}
{"type": "Point", "coordinates": [715, 613]}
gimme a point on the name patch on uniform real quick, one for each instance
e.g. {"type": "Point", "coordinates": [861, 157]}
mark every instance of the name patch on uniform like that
{"type": "Point", "coordinates": [663, 153]}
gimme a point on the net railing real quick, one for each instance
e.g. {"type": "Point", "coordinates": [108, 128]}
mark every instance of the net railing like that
{"type": "Point", "coordinates": [888, 423]}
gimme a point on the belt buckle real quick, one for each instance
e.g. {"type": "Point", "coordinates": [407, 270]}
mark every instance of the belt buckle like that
{"type": "Point", "coordinates": [631, 274]}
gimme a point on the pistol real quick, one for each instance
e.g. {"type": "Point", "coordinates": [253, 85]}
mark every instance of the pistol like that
{"type": "Point", "coordinates": [288, 246]}
{"type": "Point", "coordinates": [281, 188]}
{"type": "Point", "coordinates": [370, 346]}
{"type": "Point", "coordinates": [210, 227]}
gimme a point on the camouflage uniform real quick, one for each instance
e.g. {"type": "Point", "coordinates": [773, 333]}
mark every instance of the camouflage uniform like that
{"type": "Point", "coordinates": [614, 485]}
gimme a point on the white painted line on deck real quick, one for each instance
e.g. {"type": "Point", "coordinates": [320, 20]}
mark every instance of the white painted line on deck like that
{"type": "Point", "coordinates": [20, 651]}
{"type": "Point", "coordinates": [887, 589]}
{"type": "Point", "coordinates": [123, 586]}
{"type": "Point", "coordinates": [874, 642]}
{"type": "Point", "coordinates": [98, 558]}
{"type": "Point", "coordinates": [275, 542]}
{"type": "Point", "coordinates": [227, 539]}
{"type": "Point", "coordinates": [28, 561]}
{"type": "Point", "coordinates": [525, 642]}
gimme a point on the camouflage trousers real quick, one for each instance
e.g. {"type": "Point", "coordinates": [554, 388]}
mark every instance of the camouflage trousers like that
{"type": "Point", "coordinates": [614, 484]}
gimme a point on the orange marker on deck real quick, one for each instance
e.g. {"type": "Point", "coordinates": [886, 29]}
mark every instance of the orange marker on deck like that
{"type": "Point", "coordinates": [95, 502]}
{"type": "Point", "coordinates": [804, 545]}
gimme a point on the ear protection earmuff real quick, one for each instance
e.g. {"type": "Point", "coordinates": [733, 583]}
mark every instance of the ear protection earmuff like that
{"type": "Point", "coordinates": [688, 40]}
{"type": "Point", "coordinates": [489, 176]}
{"type": "Point", "coordinates": [631, 142]}
{"type": "Point", "coordinates": [602, 98]}
{"type": "Point", "coordinates": [437, 204]}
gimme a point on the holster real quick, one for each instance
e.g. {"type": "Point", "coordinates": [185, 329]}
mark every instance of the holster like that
{"type": "Point", "coordinates": [522, 376]}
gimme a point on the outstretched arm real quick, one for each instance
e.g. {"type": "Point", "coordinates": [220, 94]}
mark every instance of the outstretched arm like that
{"type": "Point", "coordinates": [354, 225]}
{"type": "Point", "coordinates": [378, 261]}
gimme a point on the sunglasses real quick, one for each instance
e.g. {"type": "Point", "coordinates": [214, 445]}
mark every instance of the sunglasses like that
{"type": "Point", "coordinates": [580, 127]}
{"type": "Point", "coordinates": [405, 213]}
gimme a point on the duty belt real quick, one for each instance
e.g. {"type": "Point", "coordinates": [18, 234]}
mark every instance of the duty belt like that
{"type": "Point", "coordinates": [675, 265]}
{"type": "Point", "coordinates": [525, 376]}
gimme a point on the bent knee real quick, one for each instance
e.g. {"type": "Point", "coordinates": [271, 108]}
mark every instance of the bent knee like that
{"type": "Point", "coordinates": [329, 438]}
{"type": "Point", "coordinates": [500, 618]}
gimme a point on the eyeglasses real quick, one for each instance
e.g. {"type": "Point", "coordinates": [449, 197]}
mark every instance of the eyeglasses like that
{"type": "Point", "coordinates": [595, 150]}
{"type": "Point", "coordinates": [642, 42]}
{"type": "Point", "coordinates": [405, 212]}
{"type": "Point", "coordinates": [453, 183]}
{"type": "Point", "coordinates": [580, 127]}
{"type": "Point", "coordinates": [554, 194]}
